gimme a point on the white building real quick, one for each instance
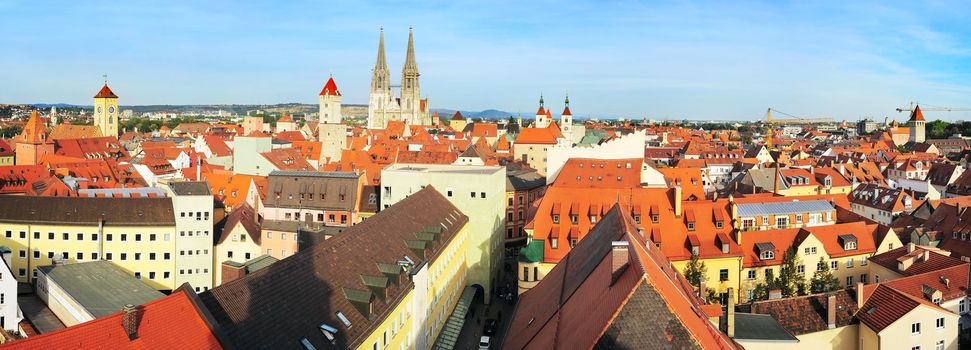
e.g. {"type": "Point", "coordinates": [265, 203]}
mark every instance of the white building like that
{"type": "Point", "coordinates": [478, 191]}
{"type": "Point", "coordinates": [10, 314]}
{"type": "Point", "coordinates": [192, 203]}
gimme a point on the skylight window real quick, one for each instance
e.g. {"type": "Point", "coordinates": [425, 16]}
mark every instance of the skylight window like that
{"type": "Point", "coordinates": [344, 320]}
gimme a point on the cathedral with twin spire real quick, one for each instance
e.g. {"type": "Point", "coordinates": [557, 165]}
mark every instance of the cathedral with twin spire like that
{"type": "Point", "coordinates": [408, 105]}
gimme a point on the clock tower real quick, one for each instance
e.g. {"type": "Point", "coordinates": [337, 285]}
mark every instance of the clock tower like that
{"type": "Point", "coordinates": [106, 111]}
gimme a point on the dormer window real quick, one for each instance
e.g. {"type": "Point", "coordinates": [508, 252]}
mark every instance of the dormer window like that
{"type": "Point", "coordinates": [719, 224]}
{"type": "Point", "coordinates": [691, 226]}
{"type": "Point", "coordinates": [768, 255]}
{"type": "Point", "coordinates": [574, 219]}
{"type": "Point", "coordinates": [556, 218]}
{"type": "Point", "coordinates": [637, 219]}
{"type": "Point", "coordinates": [848, 241]}
{"type": "Point", "coordinates": [655, 218]}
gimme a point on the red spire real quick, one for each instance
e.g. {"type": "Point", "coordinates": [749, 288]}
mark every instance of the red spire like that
{"type": "Point", "coordinates": [566, 111]}
{"type": "Point", "coordinates": [330, 89]}
{"type": "Point", "coordinates": [548, 114]}
{"type": "Point", "coordinates": [541, 111]}
{"type": "Point", "coordinates": [105, 93]}
{"type": "Point", "coordinates": [916, 115]}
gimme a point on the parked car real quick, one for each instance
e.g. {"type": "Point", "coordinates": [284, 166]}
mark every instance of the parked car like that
{"type": "Point", "coordinates": [484, 343]}
{"type": "Point", "coordinates": [490, 326]}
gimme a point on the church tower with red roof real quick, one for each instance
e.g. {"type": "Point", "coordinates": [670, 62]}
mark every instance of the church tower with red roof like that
{"type": "Point", "coordinates": [331, 132]}
{"type": "Point", "coordinates": [541, 120]}
{"type": "Point", "coordinates": [106, 111]}
{"type": "Point", "coordinates": [916, 125]}
{"type": "Point", "coordinates": [330, 103]}
{"type": "Point", "coordinates": [566, 121]}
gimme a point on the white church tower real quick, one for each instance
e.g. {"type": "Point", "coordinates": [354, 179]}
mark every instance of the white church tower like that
{"type": "Point", "coordinates": [331, 131]}
{"type": "Point", "coordinates": [916, 125]}
{"type": "Point", "coordinates": [566, 121]}
{"type": "Point", "coordinates": [410, 89]}
{"type": "Point", "coordinates": [541, 120]}
{"type": "Point", "coordinates": [379, 100]}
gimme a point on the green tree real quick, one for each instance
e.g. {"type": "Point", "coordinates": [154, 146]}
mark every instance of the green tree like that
{"type": "Point", "coordinates": [695, 271]}
{"type": "Point", "coordinates": [938, 129]}
{"type": "Point", "coordinates": [10, 131]}
{"type": "Point", "coordinates": [790, 281]}
{"type": "Point", "coordinates": [512, 126]}
{"type": "Point", "coordinates": [823, 279]}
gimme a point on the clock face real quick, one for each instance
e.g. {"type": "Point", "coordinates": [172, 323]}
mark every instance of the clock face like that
{"type": "Point", "coordinates": [111, 109]}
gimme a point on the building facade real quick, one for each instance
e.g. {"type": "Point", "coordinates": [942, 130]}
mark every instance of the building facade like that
{"type": "Point", "coordinates": [479, 191]}
{"type": "Point", "coordinates": [407, 106]}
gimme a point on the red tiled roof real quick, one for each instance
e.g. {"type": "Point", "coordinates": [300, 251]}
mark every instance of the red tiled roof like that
{"type": "Point", "coordinates": [105, 93]}
{"type": "Point", "coordinates": [330, 89]}
{"type": "Point", "coordinates": [935, 261]}
{"type": "Point", "coordinates": [885, 305]}
{"type": "Point", "coordinates": [458, 116]}
{"type": "Point", "coordinates": [169, 322]}
{"type": "Point", "coordinates": [536, 136]}
{"type": "Point", "coordinates": [600, 173]}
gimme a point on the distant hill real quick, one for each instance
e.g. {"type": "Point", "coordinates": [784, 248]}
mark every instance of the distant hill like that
{"type": "Point", "coordinates": [489, 113]}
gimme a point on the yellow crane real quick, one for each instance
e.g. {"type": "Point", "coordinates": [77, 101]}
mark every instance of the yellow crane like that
{"type": "Point", "coordinates": [929, 108]}
{"type": "Point", "coordinates": [768, 119]}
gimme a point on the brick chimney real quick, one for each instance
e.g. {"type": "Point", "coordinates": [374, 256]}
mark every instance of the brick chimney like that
{"type": "Point", "coordinates": [831, 311]}
{"type": "Point", "coordinates": [730, 314]}
{"type": "Point", "coordinates": [130, 320]}
{"type": "Point", "coordinates": [231, 270]}
{"type": "Point", "coordinates": [619, 258]}
{"type": "Point", "coordinates": [677, 201]}
{"type": "Point", "coordinates": [859, 295]}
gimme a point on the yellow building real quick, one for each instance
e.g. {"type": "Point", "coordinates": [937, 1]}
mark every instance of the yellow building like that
{"type": "Point", "coordinates": [891, 319]}
{"type": "Point", "coordinates": [137, 234]}
{"type": "Point", "coordinates": [389, 282]}
{"type": "Point", "coordinates": [106, 111]}
{"type": "Point", "coordinates": [845, 248]}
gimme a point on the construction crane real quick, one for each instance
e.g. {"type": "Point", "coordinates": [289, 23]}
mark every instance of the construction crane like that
{"type": "Point", "coordinates": [929, 108]}
{"type": "Point", "coordinates": [768, 119]}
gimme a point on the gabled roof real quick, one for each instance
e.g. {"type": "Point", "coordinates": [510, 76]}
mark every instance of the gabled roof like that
{"type": "Point", "coordinates": [34, 132]}
{"type": "Point", "coordinates": [885, 305]}
{"type": "Point", "coordinates": [585, 303]}
{"type": "Point", "coordinates": [536, 136]}
{"type": "Point", "coordinates": [243, 215]}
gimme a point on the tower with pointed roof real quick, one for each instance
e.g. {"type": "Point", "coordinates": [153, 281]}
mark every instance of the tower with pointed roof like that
{"type": "Point", "coordinates": [106, 111]}
{"type": "Point", "coordinates": [408, 105]}
{"type": "Point", "coordinates": [331, 132]}
{"type": "Point", "coordinates": [916, 125]}
{"type": "Point", "coordinates": [330, 103]}
{"type": "Point", "coordinates": [566, 121]}
{"type": "Point", "coordinates": [410, 88]}
{"type": "Point", "coordinates": [33, 143]}
{"type": "Point", "coordinates": [541, 120]}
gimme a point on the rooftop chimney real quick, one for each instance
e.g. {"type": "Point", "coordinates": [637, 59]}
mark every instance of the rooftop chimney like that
{"type": "Point", "coordinates": [859, 295]}
{"type": "Point", "coordinates": [910, 247]}
{"type": "Point", "coordinates": [925, 255]}
{"type": "Point", "coordinates": [619, 258]}
{"type": "Point", "coordinates": [831, 311]}
{"type": "Point", "coordinates": [130, 320]}
{"type": "Point", "coordinates": [677, 201]}
{"type": "Point", "coordinates": [730, 312]}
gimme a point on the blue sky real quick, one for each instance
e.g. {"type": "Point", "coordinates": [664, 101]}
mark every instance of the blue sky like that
{"type": "Point", "coordinates": [678, 59]}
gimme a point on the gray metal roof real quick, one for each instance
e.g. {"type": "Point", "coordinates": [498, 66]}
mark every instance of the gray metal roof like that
{"type": "Point", "coordinates": [100, 287]}
{"type": "Point", "coordinates": [343, 174]}
{"type": "Point", "coordinates": [760, 327]}
{"type": "Point", "coordinates": [190, 188]}
{"type": "Point", "coordinates": [774, 208]}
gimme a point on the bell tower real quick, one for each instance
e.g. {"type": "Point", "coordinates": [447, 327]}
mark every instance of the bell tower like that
{"type": "Point", "coordinates": [106, 111]}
